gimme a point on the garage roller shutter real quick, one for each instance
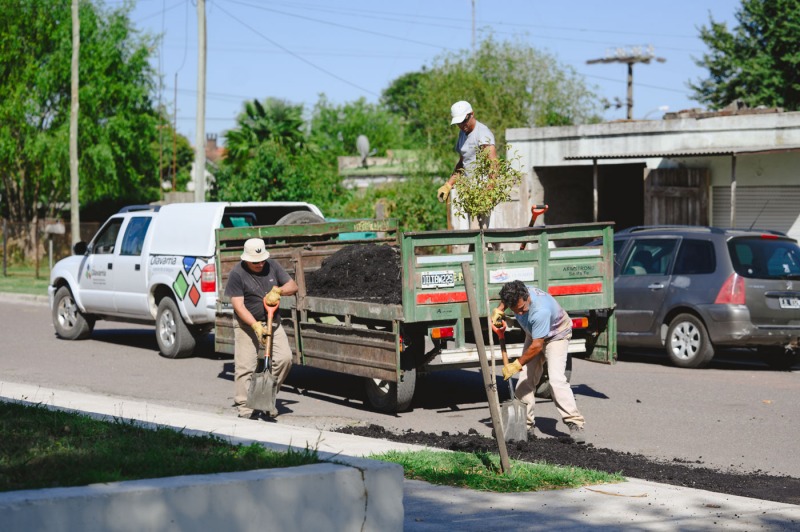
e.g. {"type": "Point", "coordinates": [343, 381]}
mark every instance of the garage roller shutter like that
{"type": "Point", "coordinates": [779, 208]}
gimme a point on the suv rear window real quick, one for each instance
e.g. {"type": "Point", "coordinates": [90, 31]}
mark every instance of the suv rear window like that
{"type": "Point", "coordinates": [695, 257]}
{"type": "Point", "coordinates": [765, 258]}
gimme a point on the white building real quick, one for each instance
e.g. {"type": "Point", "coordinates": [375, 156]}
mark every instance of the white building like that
{"type": "Point", "coordinates": [734, 168]}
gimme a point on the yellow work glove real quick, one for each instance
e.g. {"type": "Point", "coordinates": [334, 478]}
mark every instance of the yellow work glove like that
{"type": "Point", "coordinates": [261, 332]}
{"type": "Point", "coordinates": [497, 317]}
{"type": "Point", "coordinates": [273, 297]}
{"type": "Point", "coordinates": [444, 192]}
{"type": "Point", "coordinates": [511, 369]}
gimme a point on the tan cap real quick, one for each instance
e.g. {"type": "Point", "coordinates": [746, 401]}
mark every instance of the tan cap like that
{"type": "Point", "coordinates": [255, 251]}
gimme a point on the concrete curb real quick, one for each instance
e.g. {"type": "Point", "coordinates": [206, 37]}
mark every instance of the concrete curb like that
{"type": "Point", "coordinates": [314, 497]}
{"type": "Point", "coordinates": [24, 298]}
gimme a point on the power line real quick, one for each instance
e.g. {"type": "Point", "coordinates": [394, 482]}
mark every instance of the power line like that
{"type": "Point", "coordinates": [335, 24]}
{"type": "Point", "coordinates": [296, 56]}
{"type": "Point", "coordinates": [382, 15]}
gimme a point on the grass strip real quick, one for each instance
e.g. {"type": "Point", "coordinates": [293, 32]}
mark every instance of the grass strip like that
{"type": "Point", "coordinates": [21, 279]}
{"type": "Point", "coordinates": [43, 448]}
{"type": "Point", "coordinates": [481, 471]}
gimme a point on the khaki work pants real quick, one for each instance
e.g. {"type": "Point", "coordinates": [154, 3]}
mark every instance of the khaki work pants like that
{"type": "Point", "coordinates": [555, 353]}
{"type": "Point", "coordinates": [245, 360]}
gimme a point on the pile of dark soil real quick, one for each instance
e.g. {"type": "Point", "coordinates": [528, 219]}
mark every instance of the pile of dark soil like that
{"type": "Point", "coordinates": [554, 451]}
{"type": "Point", "coordinates": [359, 272]}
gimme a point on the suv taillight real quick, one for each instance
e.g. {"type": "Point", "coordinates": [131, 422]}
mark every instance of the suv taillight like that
{"type": "Point", "coordinates": [208, 278]}
{"type": "Point", "coordinates": [732, 292]}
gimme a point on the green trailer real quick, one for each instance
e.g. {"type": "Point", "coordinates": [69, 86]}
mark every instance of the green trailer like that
{"type": "Point", "coordinates": [389, 345]}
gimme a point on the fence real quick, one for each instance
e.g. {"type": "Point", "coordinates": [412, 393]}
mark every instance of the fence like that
{"type": "Point", "coordinates": [36, 244]}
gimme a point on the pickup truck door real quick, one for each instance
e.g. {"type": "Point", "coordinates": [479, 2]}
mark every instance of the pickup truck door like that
{"type": "Point", "coordinates": [130, 270]}
{"type": "Point", "coordinates": [641, 286]}
{"type": "Point", "coordinates": [96, 278]}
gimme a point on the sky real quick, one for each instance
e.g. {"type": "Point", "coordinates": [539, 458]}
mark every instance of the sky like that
{"type": "Point", "coordinates": [348, 49]}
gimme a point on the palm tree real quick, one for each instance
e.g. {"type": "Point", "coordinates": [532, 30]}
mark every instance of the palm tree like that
{"type": "Point", "coordinates": [275, 121]}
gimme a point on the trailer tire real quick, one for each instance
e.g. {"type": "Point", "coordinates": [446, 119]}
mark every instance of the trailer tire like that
{"type": "Point", "coordinates": [392, 397]}
{"type": "Point", "coordinates": [174, 338]}
{"type": "Point", "coordinates": [544, 390]}
{"type": "Point", "coordinates": [69, 321]}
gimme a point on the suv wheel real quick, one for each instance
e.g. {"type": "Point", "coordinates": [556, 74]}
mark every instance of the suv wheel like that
{"type": "Point", "coordinates": [174, 338]}
{"type": "Point", "coordinates": [688, 345]}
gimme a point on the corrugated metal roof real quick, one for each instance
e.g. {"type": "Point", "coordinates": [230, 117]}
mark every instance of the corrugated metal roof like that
{"type": "Point", "coordinates": [677, 154]}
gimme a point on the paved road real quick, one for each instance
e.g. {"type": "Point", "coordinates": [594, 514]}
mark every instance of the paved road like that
{"type": "Point", "coordinates": [736, 415]}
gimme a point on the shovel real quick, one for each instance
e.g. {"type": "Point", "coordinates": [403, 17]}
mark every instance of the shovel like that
{"type": "Point", "coordinates": [263, 386]}
{"type": "Point", "coordinates": [513, 412]}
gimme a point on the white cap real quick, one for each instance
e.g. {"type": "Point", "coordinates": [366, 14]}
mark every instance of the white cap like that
{"type": "Point", "coordinates": [459, 111]}
{"type": "Point", "coordinates": [255, 251]}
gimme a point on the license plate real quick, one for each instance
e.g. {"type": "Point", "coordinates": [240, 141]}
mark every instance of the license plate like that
{"type": "Point", "coordinates": [789, 302]}
{"type": "Point", "coordinates": [440, 279]}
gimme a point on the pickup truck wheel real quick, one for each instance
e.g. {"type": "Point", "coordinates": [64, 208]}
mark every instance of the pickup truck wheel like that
{"type": "Point", "coordinates": [392, 397]}
{"type": "Point", "coordinates": [68, 320]}
{"type": "Point", "coordinates": [174, 338]}
{"type": "Point", "coordinates": [688, 344]}
{"type": "Point", "coordinates": [544, 390]}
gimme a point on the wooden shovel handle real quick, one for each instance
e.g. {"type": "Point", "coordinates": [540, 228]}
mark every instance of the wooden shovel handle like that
{"type": "Point", "coordinates": [501, 334]}
{"type": "Point", "coordinates": [270, 314]}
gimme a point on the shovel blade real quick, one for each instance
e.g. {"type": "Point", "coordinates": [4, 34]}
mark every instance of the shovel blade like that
{"type": "Point", "coordinates": [262, 392]}
{"type": "Point", "coordinates": [513, 414]}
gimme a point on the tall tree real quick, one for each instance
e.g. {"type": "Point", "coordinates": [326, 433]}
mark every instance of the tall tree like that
{"type": "Point", "coordinates": [274, 120]}
{"type": "Point", "coordinates": [269, 158]}
{"type": "Point", "coordinates": [335, 128]}
{"type": "Point", "coordinates": [758, 62]}
{"type": "Point", "coordinates": [117, 122]}
{"type": "Point", "coordinates": [509, 84]}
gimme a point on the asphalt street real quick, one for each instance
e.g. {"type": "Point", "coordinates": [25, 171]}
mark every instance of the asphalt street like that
{"type": "Point", "coordinates": [738, 414]}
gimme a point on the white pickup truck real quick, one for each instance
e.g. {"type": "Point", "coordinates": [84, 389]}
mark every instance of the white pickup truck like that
{"type": "Point", "coordinates": [155, 265]}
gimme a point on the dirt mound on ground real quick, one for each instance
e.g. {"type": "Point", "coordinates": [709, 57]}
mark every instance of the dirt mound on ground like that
{"type": "Point", "coordinates": [756, 484]}
{"type": "Point", "coordinates": [359, 272]}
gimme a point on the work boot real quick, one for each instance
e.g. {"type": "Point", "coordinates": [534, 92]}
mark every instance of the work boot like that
{"type": "Point", "coordinates": [576, 433]}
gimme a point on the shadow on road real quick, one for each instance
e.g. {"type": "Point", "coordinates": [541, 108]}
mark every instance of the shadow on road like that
{"type": "Point", "coordinates": [737, 359]}
{"type": "Point", "coordinates": [146, 339]}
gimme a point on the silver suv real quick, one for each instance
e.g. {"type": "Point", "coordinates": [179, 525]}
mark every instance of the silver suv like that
{"type": "Point", "coordinates": [693, 289]}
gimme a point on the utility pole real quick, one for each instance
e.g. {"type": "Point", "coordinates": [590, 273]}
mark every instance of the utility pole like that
{"type": "Point", "coordinates": [74, 200]}
{"type": "Point", "coordinates": [473, 25]}
{"type": "Point", "coordinates": [629, 57]}
{"type": "Point", "coordinates": [200, 134]}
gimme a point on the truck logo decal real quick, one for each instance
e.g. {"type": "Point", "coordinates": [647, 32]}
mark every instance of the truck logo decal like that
{"type": "Point", "coordinates": [188, 262]}
{"type": "Point", "coordinates": [511, 274]}
{"type": "Point", "coordinates": [194, 295]}
{"type": "Point", "coordinates": [196, 272]}
{"type": "Point", "coordinates": [163, 261]}
{"type": "Point", "coordinates": [180, 285]}
{"type": "Point", "coordinates": [438, 279]}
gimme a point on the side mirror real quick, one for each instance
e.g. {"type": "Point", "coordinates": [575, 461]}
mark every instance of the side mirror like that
{"type": "Point", "coordinates": [80, 248]}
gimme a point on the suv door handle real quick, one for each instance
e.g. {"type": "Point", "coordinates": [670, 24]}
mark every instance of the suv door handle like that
{"type": "Point", "coordinates": [656, 286]}
{"type": "Point", "coordinates": [110, 266]}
